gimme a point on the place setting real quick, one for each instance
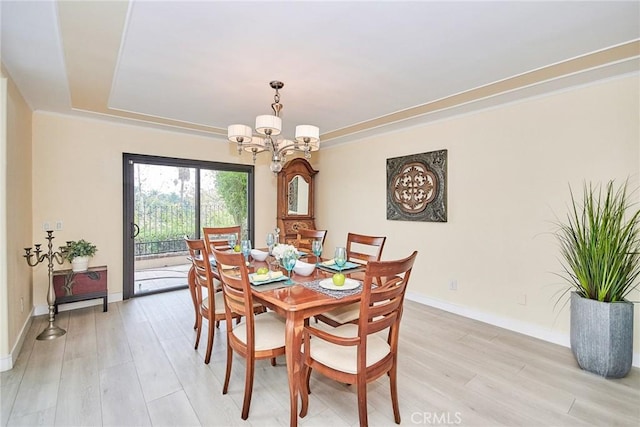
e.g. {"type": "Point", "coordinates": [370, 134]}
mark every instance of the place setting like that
{"type": "Point", "coordinates": [339, 262]}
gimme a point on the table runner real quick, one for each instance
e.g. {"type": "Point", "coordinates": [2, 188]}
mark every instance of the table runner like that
{"type": "Point", "coordinates": [315, 285]}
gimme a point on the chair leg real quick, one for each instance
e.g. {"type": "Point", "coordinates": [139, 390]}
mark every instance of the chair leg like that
{"type": "Point", "coordinates": [362, 401]}
{"type": "Point", "coordinates": [198, 329]}
{"type": "Point", "coordinates": [304, 392]}
{"type": "Point", "coordinates": [393, 377]}
{"type": "Point", "coordinates": [248, 386]}
{"type": "Point", "coordinates": [207, 357]}
{"type": "Point", "coordinates": [227, 375]}
{"type": "Point", "coordinates": [273, 361]}
{"type": "Point", "coordinates": [194, 298]}
{"type": "Point", "coordinates": [308, 379]}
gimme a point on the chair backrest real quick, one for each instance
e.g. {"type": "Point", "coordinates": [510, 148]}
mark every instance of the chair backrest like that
{"type": "Point", "coordinates": [236, 288]}
{"type": "Point", "coordinates": [363, 249]}
{"type": "Point", "coordinates": [201, 269]}
{"type": "Point", "coordinates": [218, 237]}
{"type": "Point", "coordinates": [381, 306]}
{"type": "Point", "coordinates": [307, 235]}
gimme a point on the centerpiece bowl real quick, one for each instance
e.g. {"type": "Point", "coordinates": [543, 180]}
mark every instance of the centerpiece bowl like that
{"type": "Point", "coordinates": [259, 255]}
{"type": "Point", "coordinates": [304, 268]}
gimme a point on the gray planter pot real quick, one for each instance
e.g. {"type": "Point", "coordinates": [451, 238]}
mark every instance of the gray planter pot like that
{"type": "Point", "coordinates": [602, 336]}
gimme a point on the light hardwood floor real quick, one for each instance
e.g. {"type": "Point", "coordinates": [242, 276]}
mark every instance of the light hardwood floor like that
{"type": "Point", "coordinates": [135, 365]}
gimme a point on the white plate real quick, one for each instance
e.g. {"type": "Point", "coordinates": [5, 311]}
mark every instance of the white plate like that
{"type": "Point", "coordinates": [348, 284]}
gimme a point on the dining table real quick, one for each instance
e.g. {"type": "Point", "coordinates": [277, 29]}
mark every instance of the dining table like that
{"type": "Point", "coordinates": [297, 303]}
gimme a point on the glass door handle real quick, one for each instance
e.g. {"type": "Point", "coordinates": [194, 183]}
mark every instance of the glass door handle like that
{"type": "Point", "coordinates": [135, 230]}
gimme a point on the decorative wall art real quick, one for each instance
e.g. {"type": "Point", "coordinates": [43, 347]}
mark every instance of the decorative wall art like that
{"type": "Point", "coordinates": [417, 187]}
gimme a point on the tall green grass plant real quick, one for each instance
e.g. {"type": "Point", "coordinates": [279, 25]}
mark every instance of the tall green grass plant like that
{"type": "Point", "coordinates": [600, 243]}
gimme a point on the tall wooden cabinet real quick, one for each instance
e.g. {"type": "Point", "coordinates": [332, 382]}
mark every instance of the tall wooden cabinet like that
{"type": "Point", "coordinates": [295, 198]}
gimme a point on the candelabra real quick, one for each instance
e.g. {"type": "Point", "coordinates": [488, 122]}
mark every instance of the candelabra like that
{"type": "Point", "coordinates": [51, 331]}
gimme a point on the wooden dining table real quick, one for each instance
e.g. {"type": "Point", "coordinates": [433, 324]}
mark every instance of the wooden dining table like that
{"type": "Point", "coordinates": [297, 303]}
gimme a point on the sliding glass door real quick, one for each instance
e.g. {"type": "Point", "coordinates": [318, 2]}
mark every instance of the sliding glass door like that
{"type": "Point", "coordinates": [166, 199]}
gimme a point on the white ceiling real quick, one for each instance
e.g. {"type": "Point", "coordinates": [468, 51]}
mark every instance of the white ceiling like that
{"type": "Point", "coordinates": [348, 67]}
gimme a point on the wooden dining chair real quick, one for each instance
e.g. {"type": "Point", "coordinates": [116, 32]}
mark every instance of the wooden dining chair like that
{"type": "Point", "coordinates": [218, 237]}
{"type": "Point", "coordinates": [357, 354]}
{"type": "Point", "coordinates": [361, 249]}
{"type": "Point", "coordinates": [210, 307]}
{"type": "Point", "coordinates": [306, 236]}
{"type": "Point", "coordinates": [257, 336]}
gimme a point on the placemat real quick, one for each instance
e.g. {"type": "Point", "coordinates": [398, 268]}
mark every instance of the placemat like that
{"type": "Point", "coordinates": [350, 267]}
{"type": "Point", "coordinates": [315, 285]}
{"type": "Point", "coordinates": [274, 285]}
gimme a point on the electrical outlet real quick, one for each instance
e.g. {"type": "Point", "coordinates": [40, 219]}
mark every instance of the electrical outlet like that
{"type": "Point", "coordinates": [46, 226]}
{"type": "Point", "coordinates": [21, 305]}
{"type": "Point", "coordinates": [453, 285]}
{"type": "Point", "coordinates": [58, 225]}
{"type": "Point", "coordinates": [522, 299]}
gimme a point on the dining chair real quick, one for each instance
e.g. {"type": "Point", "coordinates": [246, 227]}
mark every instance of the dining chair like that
{"type": "Point", "coordinates": [218, 237]}
{"type": "Point", "coordinates": [306, 236]}
{"type": "Point", "coordinates": [210, 307]}
{"type": "Point", "coordinates": [257, 336]}
{"type": "Point", "coordinates": [361, 249]}
{"type": "Point", "coordinates": [357, 353]}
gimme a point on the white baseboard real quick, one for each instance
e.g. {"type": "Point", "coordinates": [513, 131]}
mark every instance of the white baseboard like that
{"type": "Point", "coordinates": [503, 322]}
{"type": "Point", "coordinates": [44, 309]}
{"type": "Point", "coordinates": [7, 361]}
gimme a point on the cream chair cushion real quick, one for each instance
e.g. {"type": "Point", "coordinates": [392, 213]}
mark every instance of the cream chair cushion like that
{"type": "Point", "coordinates": [269, 331]}
{"type": "Point", "coordinates": [344, 314]}
{"type": "Point", "coordinates": [344, 358]}
{"type": "Point", "coordinates": [219, 308]}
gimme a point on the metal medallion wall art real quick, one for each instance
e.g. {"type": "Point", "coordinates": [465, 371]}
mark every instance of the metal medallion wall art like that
{"type": "Point", "coordinates": [417, 187]}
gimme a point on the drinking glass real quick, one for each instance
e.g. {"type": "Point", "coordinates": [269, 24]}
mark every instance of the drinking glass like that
{"type": "Point", "coordinates": [271, 240]}
{"type": "Point", "coordinates": [245, 247]}
{"type": "Point", "coordinates": [233, 239]}
{"type": "Point", "coordinates": [316, 247]}
{"type": "Point", "coordinates": [289, 261]}
{"type": "Point", "coordinates": [340, 257]}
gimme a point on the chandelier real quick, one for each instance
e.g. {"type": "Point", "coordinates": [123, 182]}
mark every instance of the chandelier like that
{"type": "Point", "coordinates": [307, 137]}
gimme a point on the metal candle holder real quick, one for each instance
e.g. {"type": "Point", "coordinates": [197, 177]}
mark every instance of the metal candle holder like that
{"type": "Point", "coordinates": [51, 331]}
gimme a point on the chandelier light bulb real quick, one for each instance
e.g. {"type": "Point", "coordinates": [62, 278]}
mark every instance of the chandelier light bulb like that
{"type": "Point", "coordinates": [275, 166]}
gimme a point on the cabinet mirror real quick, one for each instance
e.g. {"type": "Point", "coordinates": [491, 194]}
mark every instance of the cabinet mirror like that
{"type": "Point", "coordinates": [298, 196]}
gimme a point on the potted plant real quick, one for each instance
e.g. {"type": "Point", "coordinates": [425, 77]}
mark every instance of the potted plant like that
{"type": "Point", "coordinates": [78, 253]}
{"type": "Point", "coordinates": [600, 247]}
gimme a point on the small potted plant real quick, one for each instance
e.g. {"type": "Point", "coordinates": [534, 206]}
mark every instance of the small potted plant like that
{"type": "Point", "coordinates": [78, 253]}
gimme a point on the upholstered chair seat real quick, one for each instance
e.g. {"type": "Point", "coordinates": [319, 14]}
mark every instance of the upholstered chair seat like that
{"type": "Point", "coordinates": [269, 331]}
{"type": "Point", "coordinates": [344, 358]}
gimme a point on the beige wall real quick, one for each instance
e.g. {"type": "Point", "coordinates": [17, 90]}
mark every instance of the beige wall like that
{"type": "Point", "coordinates": [508, 176]}
{"type": "Point", "coordinates": [77, 175]}
{"type": "Point", "coordinates": [17, 193]}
